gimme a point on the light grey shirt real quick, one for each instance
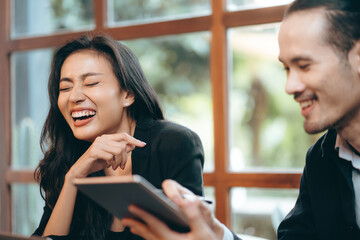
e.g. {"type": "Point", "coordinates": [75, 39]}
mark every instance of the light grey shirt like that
{"type": "Point", "coordinates": [346, 152]}
{"type": "Point", "coordinates": [227, 233]}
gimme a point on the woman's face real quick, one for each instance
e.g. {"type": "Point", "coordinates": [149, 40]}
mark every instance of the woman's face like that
{"type": "Point", "coordinates": [90, 97]}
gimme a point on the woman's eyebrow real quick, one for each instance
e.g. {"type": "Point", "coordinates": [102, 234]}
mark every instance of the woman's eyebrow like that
{"type": "Point", "coordinates": [65, 79]}
{"type": "Point", "coordinates": [82, 77]}
{"type": "Point", "coordinates": [89, 74]}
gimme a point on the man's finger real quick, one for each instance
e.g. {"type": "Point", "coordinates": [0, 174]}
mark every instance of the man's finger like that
{"type": "Point", "coordinates": [192, 210]}
{"type": "Point", "coordinates": [157, 227]}
{"type": "Point", "coordinates": [174, 191]}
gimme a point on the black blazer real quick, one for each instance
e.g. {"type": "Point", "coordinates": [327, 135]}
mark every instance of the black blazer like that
{"type": "Point", "coordinates": [325, 208]}
{"type": "Point", "coordinates": [172, 151]}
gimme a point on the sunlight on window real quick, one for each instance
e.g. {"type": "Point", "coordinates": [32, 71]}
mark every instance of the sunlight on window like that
{"type": "Point", "coordinates": [30, 73]}
{"type": "Point", "coordinates": [27, 208]}
{"type": "Point", "coordinates": [40, 17]}
{"type": "Point", "coordinates": [127, 12]}
{"type": "Point", "coordinates": [258, 212]}
{"type": "Point", "coordinates": [234, 5]}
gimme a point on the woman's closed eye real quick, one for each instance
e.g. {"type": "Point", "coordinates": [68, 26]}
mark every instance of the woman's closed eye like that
{"type": "Point", "coordinates": [65, 86]}
{"type": "Point", "coordinates": [64, 89]}
{"type": "Point", "coordinates": [91, 84]}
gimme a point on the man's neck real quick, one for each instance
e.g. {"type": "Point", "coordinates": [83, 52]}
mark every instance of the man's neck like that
{"type": "Point", "coordinates": [351, 135]}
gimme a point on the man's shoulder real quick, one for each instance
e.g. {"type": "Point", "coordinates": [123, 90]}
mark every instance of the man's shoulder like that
{"type": "Point", "coordinates": [322, 147]}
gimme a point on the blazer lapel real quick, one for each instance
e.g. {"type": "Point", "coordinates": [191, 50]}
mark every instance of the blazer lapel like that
{"type": "Point", "coordinates": [140, 156]}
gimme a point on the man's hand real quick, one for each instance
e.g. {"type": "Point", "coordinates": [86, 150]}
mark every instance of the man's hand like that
{"type": "Point", "coordinates": [203, 225]}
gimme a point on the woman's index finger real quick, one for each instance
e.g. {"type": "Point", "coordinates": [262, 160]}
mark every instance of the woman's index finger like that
{"type": "Point", "coordinates": [129, 139]}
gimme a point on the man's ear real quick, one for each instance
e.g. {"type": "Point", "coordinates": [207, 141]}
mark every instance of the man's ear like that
{"type": "Point", "coordinates": [354, 57]}
{"type": "Point", "coordinates": [129, 99]}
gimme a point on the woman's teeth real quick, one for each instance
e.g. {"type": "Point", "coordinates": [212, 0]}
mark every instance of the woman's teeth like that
{"type": "Point", "coordinates": [77, 116]}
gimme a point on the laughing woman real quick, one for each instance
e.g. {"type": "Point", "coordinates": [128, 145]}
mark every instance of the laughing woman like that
{"type": "Point", "coordinates": [105, 119]}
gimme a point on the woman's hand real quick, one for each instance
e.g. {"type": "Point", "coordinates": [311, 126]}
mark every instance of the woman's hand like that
{"type": "Point", "coordinates": [106, 151]}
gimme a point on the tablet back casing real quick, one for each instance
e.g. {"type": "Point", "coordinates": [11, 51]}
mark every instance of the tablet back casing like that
{"type": "Point", "coordinates": [115, 194]}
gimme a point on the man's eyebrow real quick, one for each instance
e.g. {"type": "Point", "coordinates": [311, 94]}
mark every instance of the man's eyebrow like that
{"type": "Point", "coordinates": [297, 59]}
{"type": "Point", "coordinates": [300, 58]}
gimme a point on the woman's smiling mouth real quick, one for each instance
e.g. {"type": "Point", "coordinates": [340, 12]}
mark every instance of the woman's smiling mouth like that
{"type": "Point", "coordinates": [80, 116]}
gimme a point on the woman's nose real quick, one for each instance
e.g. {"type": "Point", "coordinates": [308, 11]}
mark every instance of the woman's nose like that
{"type": "Point", "coordinates": [77, 94]}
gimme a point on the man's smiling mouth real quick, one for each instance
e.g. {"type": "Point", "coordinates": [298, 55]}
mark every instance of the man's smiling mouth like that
{"type": "Point", "coordinates": [306, 104]}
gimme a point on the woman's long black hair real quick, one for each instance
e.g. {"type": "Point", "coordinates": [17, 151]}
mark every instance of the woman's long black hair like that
{"type": "Point", "coordinates": [61, 149]}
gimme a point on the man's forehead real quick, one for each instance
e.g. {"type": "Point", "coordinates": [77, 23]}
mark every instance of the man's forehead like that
{"type": "Point", "coordinates": [308, 19]}
{"type": "Point", "coordinates": [301, 31]}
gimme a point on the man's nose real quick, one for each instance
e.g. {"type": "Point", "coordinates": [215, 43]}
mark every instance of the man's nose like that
{"type": "Point", "coordinates": [294, 84]}
{"type": "Point", "coordinates": [77, 94]}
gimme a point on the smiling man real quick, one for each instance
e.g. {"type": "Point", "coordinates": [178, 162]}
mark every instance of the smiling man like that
{"type": "Point", "coordinates": [320, 49]}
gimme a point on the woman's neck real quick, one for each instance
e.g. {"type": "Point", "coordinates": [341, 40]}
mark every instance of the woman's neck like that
{"type": "Point", "coordinates": [128, 125]}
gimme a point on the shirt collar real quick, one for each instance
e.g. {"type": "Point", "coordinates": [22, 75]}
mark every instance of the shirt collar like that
{"type": "Point", "coordinates": [346, 152]}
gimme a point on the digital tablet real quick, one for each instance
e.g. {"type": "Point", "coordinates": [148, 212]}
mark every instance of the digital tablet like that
{"type": "Point", "coordinates": [116, 193]}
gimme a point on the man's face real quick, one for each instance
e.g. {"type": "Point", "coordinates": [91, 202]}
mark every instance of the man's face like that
{"type": "Point", "coordinates": [325, 84]}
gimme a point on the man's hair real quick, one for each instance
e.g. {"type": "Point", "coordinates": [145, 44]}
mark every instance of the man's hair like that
{"type": "Point", "coordinates": [343, 18]}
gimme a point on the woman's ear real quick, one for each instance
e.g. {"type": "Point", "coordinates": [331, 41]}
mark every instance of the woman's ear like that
{"type": "Point", "coordinates": [129, 99]}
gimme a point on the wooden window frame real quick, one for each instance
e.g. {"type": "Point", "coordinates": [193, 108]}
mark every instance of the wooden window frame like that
{"type": "Point", "coordinates": [217, 23]}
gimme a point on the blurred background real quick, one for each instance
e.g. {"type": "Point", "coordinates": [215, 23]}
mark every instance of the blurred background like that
{"type": "Point", "coordinates": [214, 65]}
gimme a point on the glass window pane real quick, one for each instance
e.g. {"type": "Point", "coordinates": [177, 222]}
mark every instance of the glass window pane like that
{"type": "Point", "coordinates": [135, 11]}
{"type": "Point", "coordinates": [27, 208]}
{"type": "Point", "coordinates": [30, 72]}
{"type": "Point", "coordinates": [40, 17]}
{"type": "Point", "coordinates": [266, 124]}
{"type": "Point", "coordinates": [258, 212]}
{"type": "Point", "coordinates": [177, 67]}
{"type": "Point", "coordinates": [234, 5]}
